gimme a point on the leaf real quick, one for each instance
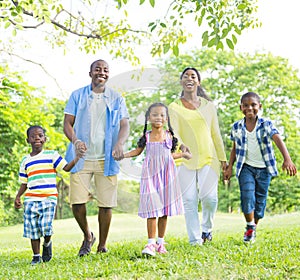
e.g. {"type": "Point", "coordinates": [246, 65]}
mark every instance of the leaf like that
{"type": "Point", "coordinates": [166, 48]}
{"type": "Point", "coordinates": [230, 44]}
{"type": "Point", "coordinates": [211, 42]}
{"type": "Point", "coordinates": [152, 3]}
{"type": "Point", "coordinates": [176, 50]}
{"type": "Point", "coordinates": [142, 2]}
{"type": "Point", "coordinates": [163, 25]}
{"type": "Point", "coordinates": [220, 45]}
{"type": "Point", "coordinates": [241, 6]}
{"type": "Point", "coordinates": [234, 39]}
{"type": "Point", "coordinates": [205, 38]}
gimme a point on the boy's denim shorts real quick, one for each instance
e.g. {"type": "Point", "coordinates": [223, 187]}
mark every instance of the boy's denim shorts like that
{"type": "Point", "coordinates": [38, 218]}
{"type": "Point", "coordinates": [254, 184]}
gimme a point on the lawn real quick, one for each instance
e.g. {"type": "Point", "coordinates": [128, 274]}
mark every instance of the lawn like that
{"type": "Point", "coordinates": [274, 255]}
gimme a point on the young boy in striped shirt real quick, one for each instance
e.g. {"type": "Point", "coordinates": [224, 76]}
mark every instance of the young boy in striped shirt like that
{"type": "Point", "coordinates": [38, 181]}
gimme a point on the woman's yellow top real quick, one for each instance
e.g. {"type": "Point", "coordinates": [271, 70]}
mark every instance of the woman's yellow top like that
{"type": "Point", "coordinates": [199, 130]}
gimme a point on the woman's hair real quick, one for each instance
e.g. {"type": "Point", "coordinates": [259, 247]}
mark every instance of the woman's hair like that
{"type": "Point", "coordinates": [35, 127]}
{"type": "Point", "coordinates": [250, 94]}
{"type": "Point", "coordinates": [142, 141]}
{"type": "Point", "coordinates": [200, 91]}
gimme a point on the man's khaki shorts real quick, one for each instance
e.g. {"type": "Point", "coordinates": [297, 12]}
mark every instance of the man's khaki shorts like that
{"type": "Point", "coordinates": [104, 189]}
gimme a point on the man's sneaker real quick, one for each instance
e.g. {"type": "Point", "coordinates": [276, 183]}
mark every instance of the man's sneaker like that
{"type": "Point", "coordinates": [86, 246]}
{"type": "Point", "coordinates": [161, 249]}
{"type": "Point", "coordinates": [47, 252]}
{"type": "Point", "coordinates": [150, 250]}
{"type": "Point", "coordinates": [249, 235]}
{"type": "Point", "coordinates": [36, 260]}
{"type": "Point", "coordinates": [206, 237]}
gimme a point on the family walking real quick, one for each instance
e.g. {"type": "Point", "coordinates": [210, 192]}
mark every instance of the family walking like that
{"type": "Point", "coordinates": [184, 154]}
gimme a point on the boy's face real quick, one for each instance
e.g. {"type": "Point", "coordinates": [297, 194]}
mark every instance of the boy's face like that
{"type": "Point", "coordinates": [36, 138]}
{"type": "Point", "coordinates": [250, 107]}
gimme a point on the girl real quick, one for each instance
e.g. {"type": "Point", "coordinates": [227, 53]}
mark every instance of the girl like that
{"type": "Point", "coordinates": [160, 194]}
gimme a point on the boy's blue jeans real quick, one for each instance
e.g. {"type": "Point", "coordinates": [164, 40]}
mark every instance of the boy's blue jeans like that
{"type": "Point", "coordinates": [254, 184]}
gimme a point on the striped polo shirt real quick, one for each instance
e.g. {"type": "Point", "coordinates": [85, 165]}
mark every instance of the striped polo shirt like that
{"type": "Point", "coordinates": [39, 173]}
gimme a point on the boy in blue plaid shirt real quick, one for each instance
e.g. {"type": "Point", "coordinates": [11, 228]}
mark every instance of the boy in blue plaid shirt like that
{"type": "Point", "coordinates": [256, 163]}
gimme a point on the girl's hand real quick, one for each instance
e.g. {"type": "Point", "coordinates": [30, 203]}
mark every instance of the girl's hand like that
{"type": "Point", "coordinates": [185, 149]}
{"type": "Point", "coordinates": [186, 155]}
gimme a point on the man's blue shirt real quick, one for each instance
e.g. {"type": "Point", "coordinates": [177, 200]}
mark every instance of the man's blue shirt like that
{"type": "Point", "coordinates": [264, 133]}
{"type": "Point", "coordinates": [78, 106]}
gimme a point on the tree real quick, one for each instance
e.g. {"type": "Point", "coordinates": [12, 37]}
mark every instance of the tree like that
{"type": "Point", "coordinates": [93, 29]}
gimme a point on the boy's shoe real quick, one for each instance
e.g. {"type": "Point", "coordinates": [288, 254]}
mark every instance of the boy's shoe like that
{"type": "Point", "coordinates": [36, 260]}
{"type": "Point", "coordinates": [47, 253]}
{"type": "Point", "coordinates": [161, 249]}
{"type": "Point", "coordinates": [150, 250]}
{"type": "Point", "coordinates": [206, 237]}
{"type": "Point", "coordinates": [250, 233]}
{"type": "Point", "coordinates": [86, 246]}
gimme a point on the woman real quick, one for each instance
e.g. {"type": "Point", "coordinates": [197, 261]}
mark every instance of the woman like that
{"type": "Point", "coordinates": [195, 122]}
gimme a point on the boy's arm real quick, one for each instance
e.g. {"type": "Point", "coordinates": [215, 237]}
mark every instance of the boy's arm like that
{"type": "Point", "coordinates": [71, 164]}
{"type": "Point", "coordinates": [287, 165]}
{"type": "Point", "coordinates": [18, 203]}
{"type": "Point", "coordinates": [228, 171]}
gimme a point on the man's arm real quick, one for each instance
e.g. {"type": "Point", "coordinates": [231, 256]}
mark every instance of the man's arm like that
{"type": "Point", "coordinates": [118, 152]}
{"type": "Point", "coordinates": [80, 146]}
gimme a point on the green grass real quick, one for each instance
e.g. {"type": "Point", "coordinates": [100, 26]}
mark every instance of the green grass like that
{"type": "Point", "coordinates": [275, 254]}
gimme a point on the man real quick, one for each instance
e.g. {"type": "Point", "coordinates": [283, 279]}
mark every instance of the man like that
{"type": "Point", "coordinates": [96, 123]}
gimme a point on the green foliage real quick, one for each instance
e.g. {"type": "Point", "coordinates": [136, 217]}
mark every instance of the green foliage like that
{"type": "Point", "coordinates": [223, 21]}
{"type": "Point", "coordinates": [274, 255]}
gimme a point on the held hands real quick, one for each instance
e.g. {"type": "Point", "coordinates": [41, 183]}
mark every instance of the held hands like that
{"type": "Point", "coordinates": [186, 155]}
{"type": "Point", "coordinates": [80, 148]}
{"type": "Point", "coordinates": [289, 167]}
{"type": "Point", "coordinates": [227, 172]}
{"type": "Point", "coordinates": [117, 152]}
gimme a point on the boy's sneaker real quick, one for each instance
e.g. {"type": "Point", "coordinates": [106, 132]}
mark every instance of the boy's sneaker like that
{"type": "Point", "coordinates": [249, 235]}
{"type": "Point", "coordinates": [36, 260]}
{"type": "Point", "coordinates": [150, 250]}
{"type": "Point", "coordinates": [206, 237]}
{"type": "Point", "coordinates": [161, 249]}
{"type": "Point", "coordinates": [47, 253]}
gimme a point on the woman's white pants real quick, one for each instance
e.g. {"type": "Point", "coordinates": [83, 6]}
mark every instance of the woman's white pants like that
{"type": "Point", "coordinates": [200, 184]}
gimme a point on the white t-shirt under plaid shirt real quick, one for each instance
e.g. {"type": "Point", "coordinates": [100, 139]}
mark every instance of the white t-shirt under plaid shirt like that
{"type": "Point", "coordinates": [39, 173]}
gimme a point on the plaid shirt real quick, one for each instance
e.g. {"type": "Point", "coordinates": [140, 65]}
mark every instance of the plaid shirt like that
{"type": "Point", "coordinates": [264, 133]}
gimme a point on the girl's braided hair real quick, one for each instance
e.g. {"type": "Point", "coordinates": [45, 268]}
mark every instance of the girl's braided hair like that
{"type": "Point", "coordinates": [142, 141]}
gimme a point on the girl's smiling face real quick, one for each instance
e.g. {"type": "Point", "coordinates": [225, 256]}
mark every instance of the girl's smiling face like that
{"type": "Point", "coordinates": [158, 116]}
{"type": "Point", "coordinates": [250, 107]}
